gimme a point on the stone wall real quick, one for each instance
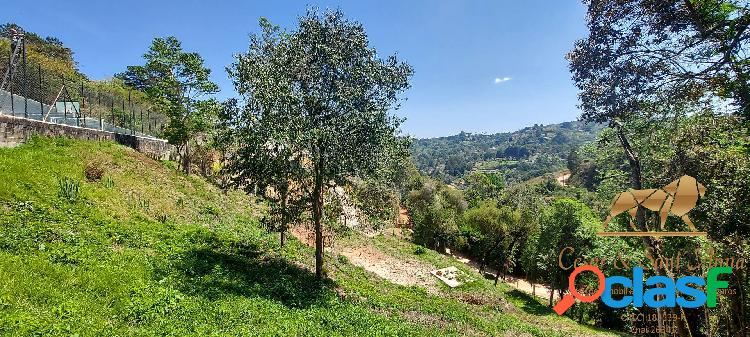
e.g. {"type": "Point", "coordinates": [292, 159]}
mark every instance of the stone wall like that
{"type": "Point", "coordinates": [15, 130]}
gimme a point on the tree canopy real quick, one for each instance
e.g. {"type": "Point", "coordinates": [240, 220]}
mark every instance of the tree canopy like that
{"type": "Point", "coordinates": [324, 96]}
{"type": "Point", "coordinates": [178, 83]}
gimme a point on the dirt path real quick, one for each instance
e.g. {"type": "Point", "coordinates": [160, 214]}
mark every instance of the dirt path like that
{"type": "Point", "coordinates": [407, 271]}
{"type": "Point", "coordinates": [399, 271]}
{"type": "Point", "coordinates": [521, 284]}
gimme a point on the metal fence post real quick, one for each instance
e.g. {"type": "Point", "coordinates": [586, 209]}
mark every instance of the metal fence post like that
{"type": "Point", "coordinates": [123, 111]}
{"type": "Point", "coordinates": [65, 103]}
{"type": "Point", "coordinates": [141, 120]}
{"type": "Point", "coordinates": [25, 81]}
{"type": "Point", "coordinates": [101, 114]}
{"type": "Point", "coordinates": [112, 109]}
{"type": "Point", "coordinates": [132, 114]}
{"type": "Point", "coordinates": [10, 81]}
{"type": "Point", "coordinates": [81, 106]}
{"type": "Point", "coordinates": [41, 95]}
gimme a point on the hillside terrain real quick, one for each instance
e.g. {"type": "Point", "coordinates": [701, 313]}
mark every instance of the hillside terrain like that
{"type": "Point", "coordinates": [97, 239]}
{"type": "Point", "coordinates": [519, 155]}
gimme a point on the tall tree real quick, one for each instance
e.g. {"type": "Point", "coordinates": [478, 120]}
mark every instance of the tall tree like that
{"type": "Point", "coordinates": [327, 96]}
{"type": "Point", "coordinates": [178, 83]}
{"type": "Point", "coordinates": [645, 62]}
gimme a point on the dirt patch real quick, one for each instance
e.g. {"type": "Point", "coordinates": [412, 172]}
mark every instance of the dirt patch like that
{"type": "Point", "coordinates": [537, 290]}
{"type": "Point", "coordinates": [405, 272]}
{"type": "Point", "coordinates": [563, 179]}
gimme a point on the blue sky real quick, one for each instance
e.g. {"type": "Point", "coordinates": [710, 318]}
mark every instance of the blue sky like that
{"type": "Point", "coordinates": [480, 66]}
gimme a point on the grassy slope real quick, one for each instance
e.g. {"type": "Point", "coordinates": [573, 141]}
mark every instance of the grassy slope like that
{"type": "Point", "coordinates": [160, 253]}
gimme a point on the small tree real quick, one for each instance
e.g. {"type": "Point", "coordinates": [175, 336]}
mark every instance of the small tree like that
{"type": "Point", "coordinates": [483, 186]}
{"type": "Point", "coordinates": [178, 83]}
{"type": "Point", "coordinates": [323, 95]}
{"type": "Point", "coordinates": [566, 223]}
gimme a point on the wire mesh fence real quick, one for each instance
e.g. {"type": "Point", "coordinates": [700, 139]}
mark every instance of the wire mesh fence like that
{"type": "Point", "coordinates": [31, 91]}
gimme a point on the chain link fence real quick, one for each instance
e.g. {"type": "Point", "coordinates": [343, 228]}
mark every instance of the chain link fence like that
{"type": "Point", "coordinates": [31, 91]}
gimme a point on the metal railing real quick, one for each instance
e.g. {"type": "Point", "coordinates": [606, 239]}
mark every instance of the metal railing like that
{"type": "Point", "coordinates": [33, 92]}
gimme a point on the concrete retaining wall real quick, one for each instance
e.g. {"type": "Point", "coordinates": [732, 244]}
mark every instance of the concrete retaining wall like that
{"type": "Point", "coordinates": [15, 130]}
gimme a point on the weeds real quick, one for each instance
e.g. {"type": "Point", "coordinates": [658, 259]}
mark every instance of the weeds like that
{"type": "Point", "coordinates": [109, 183]}
{"type": "Point", "coordinates": [68, 189]}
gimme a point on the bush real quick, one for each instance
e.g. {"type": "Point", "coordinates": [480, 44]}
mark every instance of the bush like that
{"type": "Point", "coordinates": [419, 250]}
{"type": "Point", "coordinates": [94, 172]}
{"type": "Point", "coordinates": [343, 259]}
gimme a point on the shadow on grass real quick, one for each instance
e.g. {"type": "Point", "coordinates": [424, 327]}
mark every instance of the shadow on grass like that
{"type": "Point", "coordinates": [528, 303]}
{"type": "Point", "coordinates": [242, 270]}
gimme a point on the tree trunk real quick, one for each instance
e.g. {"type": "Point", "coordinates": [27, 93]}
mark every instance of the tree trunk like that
{"type": "Point", "coordinates": [653, 245]}
{"type": "Point", "coordinates": [284, 216]}
{"type": "Point", "coordinates": [551, 295]}
{"type": "Point", "coordinates": [499, 268]}
{"type": "Point", "coordinates": [186, 160]}
{"type": "Point", "coordinates": [504, 260]}
{"type": "Point", "coordinates": [317, 217]}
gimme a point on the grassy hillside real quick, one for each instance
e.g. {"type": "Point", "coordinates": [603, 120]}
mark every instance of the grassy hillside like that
{"type": "Point", "coordinates": [519, 155]}
{"type": "Point", "coordinates": [148, 251]}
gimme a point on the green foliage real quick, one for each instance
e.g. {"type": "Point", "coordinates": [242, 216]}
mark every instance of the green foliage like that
{"type": "Point", "coordinates": [436, 211]}
{"type": "Point", "coordinates": [419, 250]}
{"type": "Point", "coordinates": [68, 189]}
{"type": "Point", "coordinates": [645, 58]}
{"type": "Point", "coordinates": [378, 200]}
{"type": "Point", "coordinates": [101, 267]}
{"type": "Point", "coordinates": [315, 121]}
{"type": "Point", "coordinates": [566, 223]}
{"type": "Point", "coordinates": [516, 156]}
{"type": "Point", "coordinates": [178, 83]}
{"type": "Point", "coordinates": [108, 182]}
{"type": "Point", "coordinates": [483, 186]}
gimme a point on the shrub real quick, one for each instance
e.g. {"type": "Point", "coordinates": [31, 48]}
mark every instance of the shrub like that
{"type": "Point", "coordinates": [68, 189]}
{"type": "Point", "coordinates": [210, 210]}
{"type": "Point", "coordinates": [343, 259]}
{"type": "Point", "coordinates": [94, 172]}
{"type": "Point", "coordinates": [419, 250]}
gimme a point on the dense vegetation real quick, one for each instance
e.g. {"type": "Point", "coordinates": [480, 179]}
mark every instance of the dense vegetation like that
{"type": "Point", "coordinates": [519, 155]}
{"type": "Point", "coordinates": [669, 80]}
{"type": "Point", "coordinates": [96, 239]}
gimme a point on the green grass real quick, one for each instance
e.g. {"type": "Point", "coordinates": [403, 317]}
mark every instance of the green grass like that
{"type": "Point", "coordinates": [149, 251]}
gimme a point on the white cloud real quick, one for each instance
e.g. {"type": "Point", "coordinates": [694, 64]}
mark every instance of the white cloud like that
{"type": "Point", "coordinates": [499, 80]}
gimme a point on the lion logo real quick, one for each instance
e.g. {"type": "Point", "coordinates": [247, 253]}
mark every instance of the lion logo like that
{"type": "Point", "coordinates": [677, 199]}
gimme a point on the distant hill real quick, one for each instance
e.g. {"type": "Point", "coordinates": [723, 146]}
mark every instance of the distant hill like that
{"type": "Point", "coordinates": [520, 155]}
